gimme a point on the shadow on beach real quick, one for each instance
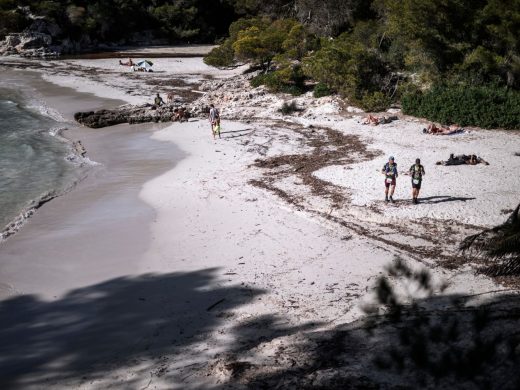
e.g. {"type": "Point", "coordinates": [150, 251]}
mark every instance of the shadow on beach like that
{"type": "Point", "coordinates": [446, 341]}
{"type": "Point", "coordinates": [110, 325]}
{"type": "Point", "coordinates": [441, 342]}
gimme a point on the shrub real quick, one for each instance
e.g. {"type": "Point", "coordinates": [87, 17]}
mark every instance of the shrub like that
{"type": "Point", "coordinates": [221, 56]}
{"type": "Point", "coordinates": [286, 80]}
{"type": "Point", "coordinates": [356, 71]}
{"type": "Point", "coordinates": [321, 90]}
{"type": "Point", "coordinates": [487, 106]}
{"type": "Point", "coordinates": [289, 108]}
{"type": "Point", "coordinates": [11, 21]}
{"type": "Point", "coordinates": [376, 101]}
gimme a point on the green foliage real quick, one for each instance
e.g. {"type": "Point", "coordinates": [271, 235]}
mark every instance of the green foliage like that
{"type": "Point", "coordinates": [375, 101]}
{"type": "Point", "coordinates": [221, 56]}
{"type": "Point", "coordinates": [11, 21]}
{"type": "Point", "coordinates": [119, 20]}
{"type": "Point", "coordinates": [286, 80]}
{"type": "Point", "coordinates": [353, 67]}
{"type": "Point", "coordinates": [224, 55]}
{"type": "Point", "coordinates": [487, 106]}
{"type": "Point", "coordinates": [436, 37]}
{"type": "Point", "coordinates": [177, 20]}
{"type": "Point", "coordinates": [321, 90]}
{"type": "Point", "coordinates": [262, 42]}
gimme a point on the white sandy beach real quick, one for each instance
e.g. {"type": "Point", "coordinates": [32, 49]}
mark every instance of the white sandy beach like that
{"type": "Point", "coordinates": [166, 264]}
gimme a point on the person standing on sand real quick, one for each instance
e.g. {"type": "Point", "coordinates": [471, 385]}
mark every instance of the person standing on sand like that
{"type": "Point", "coordinates": [214, 120]}
{"type": "Point", "coordinates": [390, 172]}
{"type": "Point", "coordinates": [417, 173]}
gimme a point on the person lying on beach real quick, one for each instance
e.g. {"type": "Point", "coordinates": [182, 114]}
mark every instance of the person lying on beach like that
{"type": "Point", "coordinates": [370, 120]}
{"type": "Point", "coordinates": [443, 130]}
{"type": "Point", "coordinates": [374, 121]}
{"type": "Point", "coordinates": [128, 63]}
{"type": "Point", "coordinates": [463, 159]}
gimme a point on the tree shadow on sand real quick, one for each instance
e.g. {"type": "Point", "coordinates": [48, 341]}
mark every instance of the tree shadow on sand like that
{"type": "Point", "coordinates": [438, 341]}
{"type": "Point", "coordinates": [110, 325]}
{"type": "Point", "coordinates": [435, 342]}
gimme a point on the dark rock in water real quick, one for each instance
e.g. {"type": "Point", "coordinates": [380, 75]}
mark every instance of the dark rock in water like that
{"type": "Point", "coordinates": [130, 114]}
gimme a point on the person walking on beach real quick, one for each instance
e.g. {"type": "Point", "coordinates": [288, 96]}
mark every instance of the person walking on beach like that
{"type": "Point", "coordinates": [214, 120]}
{"type": "Point", "coordinates": [417, 173]}
{"type": "Point", "coordinates": [390, 172]}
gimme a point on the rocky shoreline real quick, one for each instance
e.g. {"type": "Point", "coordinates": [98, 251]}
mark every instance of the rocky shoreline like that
{"type": "Point", "coordinates": [132, 114]}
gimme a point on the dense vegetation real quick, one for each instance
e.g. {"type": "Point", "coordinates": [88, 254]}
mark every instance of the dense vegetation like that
{"type": "Point", "coordinates": [109, 21]}
{"type": "Point", "coordinates": [490, 106]}
{"type": "Point", "coordinates": [453, 61]}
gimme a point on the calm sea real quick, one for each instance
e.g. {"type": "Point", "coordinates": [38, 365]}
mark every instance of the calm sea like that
{"type": "Point", "coordinates": [33, 159]}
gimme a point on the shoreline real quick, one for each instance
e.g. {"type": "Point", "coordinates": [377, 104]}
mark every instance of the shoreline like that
{"type": "Point", "coordinates": [82, 165]}
{"type": "Point", "coordinates": [91, 185]}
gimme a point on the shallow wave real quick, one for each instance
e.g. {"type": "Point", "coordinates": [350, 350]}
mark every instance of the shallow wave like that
{"type": "Point", "coordinates": [43, 109]}
{"type": "Point", "coordinates": [37, 163]}
{"type": "Point", "coordinates": [16, 224]}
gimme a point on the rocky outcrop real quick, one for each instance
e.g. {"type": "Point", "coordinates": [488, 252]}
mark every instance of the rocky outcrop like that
{"type": "Point", "coordinates": [129, 114]}
{"type": "Point", "coordinates": [34, 41]}
{"type": "Point", "coordinates": [28, 44]}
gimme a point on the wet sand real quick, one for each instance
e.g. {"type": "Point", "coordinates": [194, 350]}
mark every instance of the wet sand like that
{"type": "Point", "coordinates": [98, 230]}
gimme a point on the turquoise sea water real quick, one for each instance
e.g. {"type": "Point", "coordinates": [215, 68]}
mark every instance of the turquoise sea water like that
{"type": "Point", "coordinates": [33, 161]}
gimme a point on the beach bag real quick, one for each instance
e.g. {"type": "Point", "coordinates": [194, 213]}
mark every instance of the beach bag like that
{"type": "Point", "coordinates": [416, 181]}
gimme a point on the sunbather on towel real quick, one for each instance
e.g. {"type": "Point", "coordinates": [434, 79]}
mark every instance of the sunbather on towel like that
{"type": "Point", "coordinates": [374, 121]}
{"type": "Point", "coordinates": [128, 63]}
{"type": "Point", "coordinates": [463, 159]}
{"type": "Point", "coordinates": [443, 130]}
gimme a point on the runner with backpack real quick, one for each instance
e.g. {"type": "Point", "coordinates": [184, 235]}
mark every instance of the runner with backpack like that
{"type": "Point", "coordinates": [417, 173]}
{"type": "Point", "coordinates": [390, 172]}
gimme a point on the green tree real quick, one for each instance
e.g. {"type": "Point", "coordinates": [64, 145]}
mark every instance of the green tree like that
{"type": "Point", "coordinates": [352, 67]}
{"type": "Point", "coordinates": [177, 20]}
{"type": "Point", "coordinates": [260, 44]}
